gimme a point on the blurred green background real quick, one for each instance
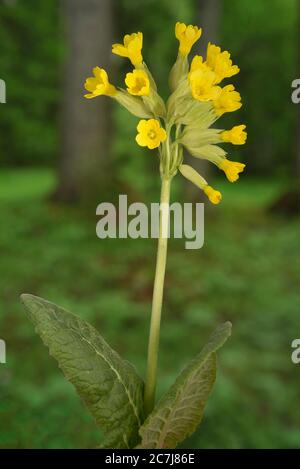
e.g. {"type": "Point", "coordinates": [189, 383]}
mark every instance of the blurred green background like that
{"type": "Point", "coordinates": [60, 156]}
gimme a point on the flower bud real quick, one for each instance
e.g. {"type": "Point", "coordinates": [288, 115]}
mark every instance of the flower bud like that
{"type": "Point", "coordinates": [155, 104]}
{"type": "Point", "coordinates": [192, 175]}
{"type": "Point", "coordinates": [212, 153]}
{"type": "Point", "coordinates": [133, 104]}
{"type": "Point", "coordinates": [178, 72]}
{"type": "Point", "coordinates": [181, 96]}
{"type": "Point", "coordinates": [144, 67]}
{"type": "Point", "coordinates": [196, 137]}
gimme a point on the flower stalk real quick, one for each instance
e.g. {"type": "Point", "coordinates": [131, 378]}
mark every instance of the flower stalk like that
{"type": "Point", "coordinates": [157, 300]}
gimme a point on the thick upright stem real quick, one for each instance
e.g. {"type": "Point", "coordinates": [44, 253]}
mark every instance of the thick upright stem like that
{"type": "Point", "coordinates": [157, 300]}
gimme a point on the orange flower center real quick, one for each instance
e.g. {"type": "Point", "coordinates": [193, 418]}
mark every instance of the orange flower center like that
{"type": "Point", "coordinates": [152, 134]}
{"type": "Point", "coordinates": [139, 84]}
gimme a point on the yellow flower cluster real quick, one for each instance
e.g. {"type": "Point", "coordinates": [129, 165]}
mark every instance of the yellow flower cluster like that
{"type": "Point", "coordinates": [197, 101]}
{"type": "Point", "coordinates": [216, 68]}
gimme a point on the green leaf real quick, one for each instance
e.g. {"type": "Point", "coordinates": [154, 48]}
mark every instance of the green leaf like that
{"type": "Point", "coordinates": [180, 411]}
{"type": "Point", "coordinates": [109, 386]}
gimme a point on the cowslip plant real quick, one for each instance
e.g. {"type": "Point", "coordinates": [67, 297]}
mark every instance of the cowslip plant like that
{"type": "Point", "coordinates": [122, 404]}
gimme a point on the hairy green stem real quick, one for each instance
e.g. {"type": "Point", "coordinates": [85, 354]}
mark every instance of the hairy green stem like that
{"type": "Point", "coordinates": [158, 290]}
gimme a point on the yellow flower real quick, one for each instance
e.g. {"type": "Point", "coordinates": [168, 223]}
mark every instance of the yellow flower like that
{"type": "Point", "coordinates": [98, 84]}
{"type": "Point", "coordinates": [132, 48]}
{"type": "Point", "coordinates": [232, 169]}
{"type": "Point", "coordinates": [187, 36]}
{"type": "Point", "coordinates": [138, 83]}
{"type": "Point", "coordinates": [236, 135]}
{"type": "Point", "coordinates": [220, 62]}
{"type": "Point", "coordinates": [191, 174]}
{"type": "Point", "coordinates": [227, 100]}
{"type": "Point", "coordinates": [198, 64]}
{"type": "Point", "coordinates": [214, 196]}
{"type": "Point", "coordinates": [150, 134]}
{"type": "Point", "coordinates": [202, 85]}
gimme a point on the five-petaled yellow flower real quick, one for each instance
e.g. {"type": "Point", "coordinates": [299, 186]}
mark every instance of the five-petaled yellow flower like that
{"type": "Point", "coordinates": [227, 100]}
{"type": "Point", "coordinates": [236, 136]}
{"type": "Point", "coordinates": [150, 134]}
{"type": "Point", "coordinates": [187, 36]}
{"type": "Point", "coordinates": [132, 48]}
{"type": "Point", "coordinates": [232, 169]}
{"type": "Point", "coordinates": [99, 84]}
{"type": "Point", "coordinates": [138, 83]}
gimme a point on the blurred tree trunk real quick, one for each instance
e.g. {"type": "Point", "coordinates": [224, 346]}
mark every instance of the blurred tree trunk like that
{"type": "Point", "coordinates": [297, 165]}
{"type": "Point", "coordinates": [209, 12]}
{"type": "Point", "coordinates": [84, 162]}
{"type": "Point", "coordinates": [297, 168]}
{"type": "Point", "coordinates": [288, 202]}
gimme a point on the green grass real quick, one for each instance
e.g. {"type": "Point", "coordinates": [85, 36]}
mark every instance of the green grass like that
{"type": "Point", "coordinates": [248, 272]}
{"type": "Point", "coordinates": [26, 184]}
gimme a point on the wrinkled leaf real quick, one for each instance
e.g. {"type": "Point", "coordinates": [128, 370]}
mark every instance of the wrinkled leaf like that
{"type": "Point", "coordinates": [109, 386]}
{"type": "Point", "coordinates": [180, 411]}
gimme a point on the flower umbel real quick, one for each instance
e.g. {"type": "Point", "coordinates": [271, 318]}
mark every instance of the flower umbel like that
{"type": "Point", "coordinates": [197, 101]}
{"type": "Point", "coordinates": [138, 83]}
{"type": "Point", "coordinates": [131, 48]}
{"type": "Point", "coordinates": [99, 85]}
{"type": "Point", "coordinates": [187, 36]}
{"type": "Point", "coordinates": [150, 134]}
